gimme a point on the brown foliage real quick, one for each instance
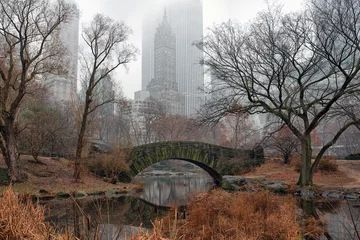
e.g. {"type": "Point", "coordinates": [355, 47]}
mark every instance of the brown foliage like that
{"type": "Point", "coordinates": [327, 165]}
{"type": "Point", "coordinates": [222, 215]}
{"type": "Point", "coordinates": [20, 219]}
{"type": "Point", "coordinates": [110, 165]}
{"type": "Point", "coordinates": [313, 228]}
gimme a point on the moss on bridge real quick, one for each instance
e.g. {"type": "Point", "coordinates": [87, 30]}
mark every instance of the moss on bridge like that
{"type": "Point", "coordinates": [216, 160]}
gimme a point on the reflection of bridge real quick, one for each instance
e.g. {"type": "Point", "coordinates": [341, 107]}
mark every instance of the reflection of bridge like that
{"type": "Point", "coordinates": [215, 160]}
{"type": "Point", "coordinates": [169, 191]}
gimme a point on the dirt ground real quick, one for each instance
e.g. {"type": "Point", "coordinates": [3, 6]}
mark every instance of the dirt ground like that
{"type": "Point", "coordinates": [348, 176]}
{"type": "Point", "coordinates": [55, 175]}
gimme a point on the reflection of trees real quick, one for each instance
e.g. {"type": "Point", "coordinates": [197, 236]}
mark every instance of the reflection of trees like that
{"type": "Point", "coordinates": [123, 210]}
{"type": "Point", "coordinates": [167, 191]}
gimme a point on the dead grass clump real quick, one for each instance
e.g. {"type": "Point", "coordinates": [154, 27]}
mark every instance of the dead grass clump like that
{"type": "Point", "coordinates": [327, 165]}
{"type": "Point", "coordinates": [20, 219]}
{"type": "Point", "coordinates": [155, 234]}
{"type": "Point", "coordinates": [313, 228]}
{"type": "Point", "coordinates": [222, 215]}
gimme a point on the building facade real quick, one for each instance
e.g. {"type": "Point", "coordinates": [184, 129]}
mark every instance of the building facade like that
{"type": "Point", "coordinates": [164, 87]}
{"type": "Point", "coordinates": [186, 21]}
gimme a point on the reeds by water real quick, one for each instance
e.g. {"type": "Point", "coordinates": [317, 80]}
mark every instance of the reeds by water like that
{"type": "Point", "coordinates": [21, 219]}
{"type": "Point", "coordinates": [239, 216]}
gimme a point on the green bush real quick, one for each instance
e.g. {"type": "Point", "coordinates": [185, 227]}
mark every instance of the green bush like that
{"type": "Point", "coordinates": [4, 177]}
{"type": "Point", "coordinates": [355, 156]}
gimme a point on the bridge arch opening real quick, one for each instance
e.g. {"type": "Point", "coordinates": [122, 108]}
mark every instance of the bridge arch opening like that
{"type": "Point", "coordinates": [172, 163]}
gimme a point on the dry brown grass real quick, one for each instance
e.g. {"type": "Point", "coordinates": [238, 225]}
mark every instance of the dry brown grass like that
{"type": "Point", "coordinates": [313, 228]}
{"type": "Point", "coordinates": [348, 175]}
{"type": "Point", "coordinates": [221, 215]}
{"type": "Point", "coordinates": [20, 219]}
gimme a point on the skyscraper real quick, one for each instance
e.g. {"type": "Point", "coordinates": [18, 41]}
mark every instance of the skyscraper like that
{"type": "Point", "coordinates": [186, 21]}
{"type": "Point", "coordinates": [149, 25]}
{"type": "Point", "coordinates": [64, 88]}
{"type": "Point", "coordinates": [163, 87]}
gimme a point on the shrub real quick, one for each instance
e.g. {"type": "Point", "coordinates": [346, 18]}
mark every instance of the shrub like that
{"type": "Point", "coordinates": [354, 156]}
{"type": "Point", "coordinates": [4, 177]}
{"type": "Point", "coordinates": [327, 165]}
{"type": "Point", "coordinates": [109, 165]}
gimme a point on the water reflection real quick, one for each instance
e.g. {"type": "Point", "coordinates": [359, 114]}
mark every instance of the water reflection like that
{"type": "Point", "coordinates": [343, 222]}
{"type": "Point", "coordinates": [170, 190]}
{"type": "Point", "coordinates": [116, 216]}
{"type": "Point", "coordinates": [341, 218]}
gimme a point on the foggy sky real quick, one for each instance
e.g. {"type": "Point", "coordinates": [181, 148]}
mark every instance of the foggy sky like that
{"type": "Point", "coordinates": [133, 11]}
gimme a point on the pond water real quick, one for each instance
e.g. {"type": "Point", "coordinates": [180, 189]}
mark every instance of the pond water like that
{"type": "Point", "coordinates": [125, 213]}
{"type": "Point", "coordinates": [117, 216]}
{"type": "Point", "coordinates": [342, 218]}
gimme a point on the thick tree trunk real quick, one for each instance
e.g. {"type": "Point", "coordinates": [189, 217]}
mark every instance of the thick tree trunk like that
{"type": "Point", "coordinates": [10, 152]}
{"type": "Point", "coordinates": [305, 178]}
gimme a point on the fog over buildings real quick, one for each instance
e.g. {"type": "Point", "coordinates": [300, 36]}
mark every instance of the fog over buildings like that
{"type": "Point", "coordinates": [135, 12]}
{"type": "Point", "coordinates": [185, 22]}
{"type": "Point", "coordinates": [64, 88]}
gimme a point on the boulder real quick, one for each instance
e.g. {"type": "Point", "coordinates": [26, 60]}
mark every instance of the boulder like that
{"type": "Point", "coordinates": [305, 193]}
{"type": "Point", "coordinates": [78, 194]}
{"type": "Point", "coordinates": [43, 191]}
{"type": "Point", "coordinates": [236, 180]}
{"type": "Point", "coordinates": [335, 195]}
{"type": "Point", "coordinates": [351, 197]}
{"type": "Point", "coordinates": [277, 187]}
{"type": "Point", "coordinates": [62, 195]}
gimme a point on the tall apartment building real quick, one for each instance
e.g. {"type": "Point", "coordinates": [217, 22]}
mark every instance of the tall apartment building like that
{"type": "Point", "coordinates": [164, 87]}
{"type": "Point", "coordinates": [186, 21]}
{"type": "Point", "coordinates": [64, 88]}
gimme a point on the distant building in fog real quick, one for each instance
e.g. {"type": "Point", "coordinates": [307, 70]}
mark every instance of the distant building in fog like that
{"type": "Point", "coordinates": [164, 87]}
{"type": "Point", "coordinates": [186, 21]}
{"type": "Point", "coordinates": [64, 88]}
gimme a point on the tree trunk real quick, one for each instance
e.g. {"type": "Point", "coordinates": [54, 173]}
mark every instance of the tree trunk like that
{"type": "Point", "coordinates": [286, 159]}
{"type": "Point", "coordinates": [36, 157]}
{"type": "Point", "coordinates": [78, 154]}
{"type": "Point", "coordinates": [305, 178]}
{"type": "Point", "coordinates": [80, 142]}
{"type": "Point", "coordinates": [10, 152]}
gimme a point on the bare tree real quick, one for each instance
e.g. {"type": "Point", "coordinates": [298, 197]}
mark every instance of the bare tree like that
{"type": "Point", "coordinates": [43, 125]}
{"type": "Point", "coordinates": [283, 143]}
{"type": "Point", "coordinates": [242, 132]}
{"type": "Point", "coordinates": [176, 128]}
{"type": "Point", "coordinates": [29, 51]}
{"type": "Point", "coordinates": [106, 50]}
{"type": "Point", "coordinates": [295, 67]}
{"type": "Point", "coordinates": [144, 121]}
{"type": "Point", "coordinates": [122, 121]}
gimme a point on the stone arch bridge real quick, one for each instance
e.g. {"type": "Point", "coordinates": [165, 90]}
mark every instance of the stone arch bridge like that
{"type": "Point", "coordinates": [215, 160]}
